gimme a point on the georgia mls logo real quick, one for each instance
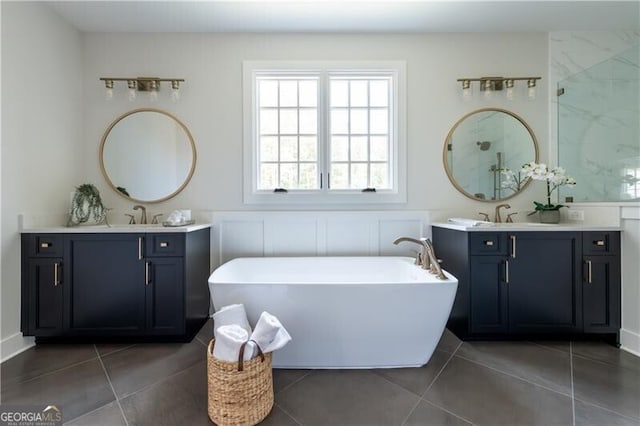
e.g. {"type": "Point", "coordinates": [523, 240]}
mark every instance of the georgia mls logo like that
{"type": "Point", "coordinates": [30, 416]}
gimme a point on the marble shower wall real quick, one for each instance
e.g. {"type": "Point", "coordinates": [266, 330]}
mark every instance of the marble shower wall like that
{"type": "Point", "coordinates": [598, 125]}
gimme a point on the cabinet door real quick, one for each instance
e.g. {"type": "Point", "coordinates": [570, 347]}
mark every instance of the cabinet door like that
{"type": "Point", "coordinates": [106, 276]}
{"type": "Point", "coordinates": [165, 295]}
{"type": "Point", "coordinates": [488, 294]}
{"type": "Point", "coordinates": [46, 297]}
{"type": "Point", "coordinates": [601, 294]}
{"type": "Point", "coordinates": [544, 290]}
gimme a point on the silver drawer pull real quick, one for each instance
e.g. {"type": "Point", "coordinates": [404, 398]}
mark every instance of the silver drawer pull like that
{"type": "Point", "coordinates": [488, 243]}
{"type": "Point", "coordinates": [589, 276]}
{"type": "Point", "coordinates": [164, 245]}
{"type": "Point", "coordinates": [45, 245]}
{"type": "Point", "coordinates": [56, 274]}
{"type": "Point", "coordinates": [599, 243]}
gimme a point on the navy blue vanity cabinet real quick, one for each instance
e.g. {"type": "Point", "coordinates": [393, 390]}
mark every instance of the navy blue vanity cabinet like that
{"type": "Point", "coordinates": [43, 291]}
{"type": "Point", "coordinates": [164, 284]}
{"type": "Point", "coordinates": [532, 283]}
{"type": "Point", "coordinates": [601, 282]}
{"type": "Point", "coordinates": [116, 286]}
{"type": "Point", "coordinates": [544, 283]}
{"type": "Point", "coordinates": [105, 285]}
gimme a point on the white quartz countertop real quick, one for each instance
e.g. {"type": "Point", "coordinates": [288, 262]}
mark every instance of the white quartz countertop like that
{"type": "Point", "coordinates": [525, 226]}
{"type": "Point", "coordinates": [115, 229]}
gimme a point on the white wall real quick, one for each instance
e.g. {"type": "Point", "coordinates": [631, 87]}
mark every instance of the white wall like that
{"type": "Point", "coordinates": [42, 115]}
{"type": "Point", "coordinates": [211, 101]}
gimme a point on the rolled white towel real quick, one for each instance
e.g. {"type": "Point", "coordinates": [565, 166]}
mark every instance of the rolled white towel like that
{"type": "Point", "coordinates": [269, 333]}
{"type": "Point", "coordinates": [231, 314]}
{"type": "Point", "coordinates": [229, 338]}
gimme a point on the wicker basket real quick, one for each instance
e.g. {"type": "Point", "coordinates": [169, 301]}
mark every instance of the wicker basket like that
{"type": "Point", "coordinates": [239, 393]}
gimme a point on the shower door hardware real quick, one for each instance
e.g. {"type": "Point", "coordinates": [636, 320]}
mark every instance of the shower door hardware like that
{"type": "Point", "coordinates": [560, 91]}
{"type": "Point", "coordinates": [589, 274]}
{"type": "Point", "coordinates": [56, 274]}
{"type": "Point", "coordinates": [513, 246]}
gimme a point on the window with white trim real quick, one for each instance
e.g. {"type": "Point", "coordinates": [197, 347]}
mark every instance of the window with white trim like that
{"type": "Point", "coordinates": [324, 132]}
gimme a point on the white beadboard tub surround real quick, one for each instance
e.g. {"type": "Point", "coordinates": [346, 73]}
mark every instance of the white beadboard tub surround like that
{"type": "Point", "coordinates": [314, 233]}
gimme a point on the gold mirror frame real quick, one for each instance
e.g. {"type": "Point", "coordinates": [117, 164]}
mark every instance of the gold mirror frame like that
{"type": "Point", "coordinates": [447, 141]}
{"type": "Point", "coordinates": [191, 143]}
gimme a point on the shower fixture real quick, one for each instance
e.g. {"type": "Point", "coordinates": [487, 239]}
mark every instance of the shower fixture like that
{"type": "Point", "coordinates": [484, 145]}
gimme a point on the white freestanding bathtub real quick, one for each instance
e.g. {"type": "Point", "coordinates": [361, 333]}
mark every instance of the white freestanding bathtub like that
{"type": "Point", "coordinates": [342, 312]}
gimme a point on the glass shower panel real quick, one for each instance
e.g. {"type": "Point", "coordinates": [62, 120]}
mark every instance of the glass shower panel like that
{"type": "Point", "coordinates": [599, 130]}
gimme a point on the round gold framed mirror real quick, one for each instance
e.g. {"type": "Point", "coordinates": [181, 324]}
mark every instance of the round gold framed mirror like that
{"type": "Point", "coordinates": [147, 155]}
{"type": "Point", "coordinates": [482, 147]}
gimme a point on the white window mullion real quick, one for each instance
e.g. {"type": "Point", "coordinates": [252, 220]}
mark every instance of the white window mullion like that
{"type": "Point", "coordinates": [324, 132]}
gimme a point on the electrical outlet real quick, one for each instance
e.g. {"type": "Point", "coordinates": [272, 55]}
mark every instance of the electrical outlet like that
{"type": "Point", "coordinates": [576, 214]}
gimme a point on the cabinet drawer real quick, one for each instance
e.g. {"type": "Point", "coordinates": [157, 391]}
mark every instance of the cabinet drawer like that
{"type": "Point", "coordinates": [597, 242]}
{"type": "Point", "coordinates": [46, 245]}
{"type": "Point", "coordinates": [165, 245]}
{"type": "Point", "coordinates": [489, 243]}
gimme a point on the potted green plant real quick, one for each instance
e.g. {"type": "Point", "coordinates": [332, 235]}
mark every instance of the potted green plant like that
{"type": "Point", "coordinates": [86, 205]}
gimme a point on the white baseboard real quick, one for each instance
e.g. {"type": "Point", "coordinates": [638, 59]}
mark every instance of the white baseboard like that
{"type": "Point", "coordinates": [630, 341]}
{"type": "Point", "coordinates": [13, 345]}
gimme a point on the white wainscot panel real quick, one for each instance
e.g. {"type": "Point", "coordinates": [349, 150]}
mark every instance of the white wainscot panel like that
{"type": "Point", "coordinates": [314, 233]}
{"type": "Point", "coordinates": [239, 239]}
{"type": "Point", "coordinates": [291, 237]}
{"type": "Point", "coordinates": [389, 230]}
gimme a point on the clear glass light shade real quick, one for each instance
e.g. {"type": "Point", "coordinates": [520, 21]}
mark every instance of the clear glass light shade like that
{"type": "Point", "coordinates": [531, 93]}
{"type": "Point", "coordinates": [108, 94]}
{"type": "Point", "coordinates": [175, 95]}
{"type": "Point", "coordinates": [509, 93]}
{"type": "Point", "coordinates": [132, 95]}
{"type": "Point", "coordinates": [153, 95]}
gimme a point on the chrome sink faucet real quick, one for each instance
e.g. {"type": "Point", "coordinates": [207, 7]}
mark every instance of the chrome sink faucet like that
{"type": "Point", "coordinates": [143, 215]}
{"type": "Point", "coordinates": [497, 218]}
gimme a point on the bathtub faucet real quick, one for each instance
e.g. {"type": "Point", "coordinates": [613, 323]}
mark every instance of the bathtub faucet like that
{"type": "Point", "coordinates": [422, 258]}
{"type": "Point", "coordinates": [427, 258]}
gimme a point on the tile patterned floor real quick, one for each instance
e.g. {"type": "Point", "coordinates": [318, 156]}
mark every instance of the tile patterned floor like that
{"type": "Point", "coordinates": [470, 383]}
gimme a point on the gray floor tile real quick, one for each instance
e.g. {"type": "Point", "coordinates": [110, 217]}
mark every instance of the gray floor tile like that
{"type": "Point", "coordinates": [612, 387]}
{"type": "Point", "coordinates": [449, 342]}
{"type": "Point", "coordinates": [178, 400]}
{"type": "Point", "coordinates": [346, 397]}
{"type": "Point", "coordinates": [75, 390]}
{"type": "Point", "coordinates": [206, 332]}
{"type": "Point", "coordinates": [142, 365]}
{"type": "Point", "coordinates": [284, 377]}
{"type": "Point", "coordinates": [604, 352]}
{"type": "Point", "coordinates": [427, 414]}
{"type": "Point", "coordinates": [42, 359]}
{"type": "Point", "coordinates": [487, 397]}
{"type": "Point", "coordinates": [529, 361]}
{"type": "Point", "coordinates": [277, 417]}
{"type": "Point", "coordinates": [105, 349]}
{"type": "Point", "coordinates": [109, 415]}
{"type": "Point", "coordinates": [416, 380]}
{"type": "Point", "coordinates": [589, 415]}
{"type": "Point", "coordinates": [562, 346]}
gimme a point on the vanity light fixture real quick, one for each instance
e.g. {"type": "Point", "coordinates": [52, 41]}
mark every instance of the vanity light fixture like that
{"type": "Point", "coordinates": [488, 85]}
{"type": "Point", "coordinates": [143, 84]}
